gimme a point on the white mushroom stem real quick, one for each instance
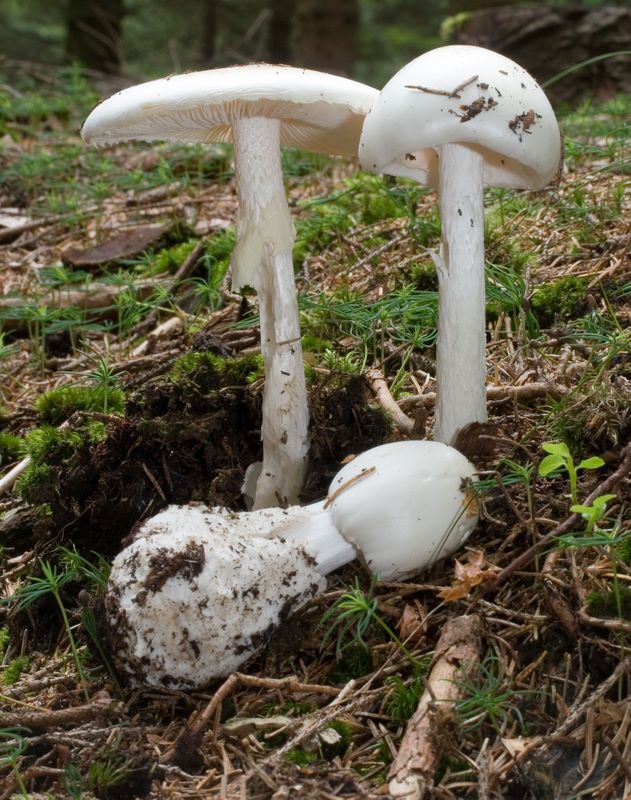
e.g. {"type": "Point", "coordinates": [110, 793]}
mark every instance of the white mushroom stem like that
{"type": "Point", "coordinates": [461, 361]}
{"type": "Point", "coordinates": [263, 259]}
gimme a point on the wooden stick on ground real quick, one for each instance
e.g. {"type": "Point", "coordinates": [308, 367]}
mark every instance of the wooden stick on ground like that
{"type": "Point", "coordinates": [381, 391]}
{"type": "Point", "coordinates": [190, 737]}
{"type": "Point", "coordinates": [420, 752]}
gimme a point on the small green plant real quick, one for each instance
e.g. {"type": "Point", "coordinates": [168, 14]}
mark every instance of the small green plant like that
{"type": "Point", "coordinates": [106, 775]}
{"type": "Point", "coordinates": [487, 697]}
{"type": "Point", "coordinates": [560, 458]}
{"type": "Point", "coordinates": [352, 614]}
{"type": "Point", "coordinates": [594, 513]}
{"type": "Point", "coordinates": [52, 582]}
{"type": "Point", "coordinates": [13, 745]}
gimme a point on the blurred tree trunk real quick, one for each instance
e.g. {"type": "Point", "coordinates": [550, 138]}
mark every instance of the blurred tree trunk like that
{"type": "Point", "coordinates": [209, 31]}
{"type": "Point", "coordinates": [325, 35]}
{"type": "Point", "coordinates": [279, 31]}
{"type": "Point", "coordinates": [93, 34]}
{"type": "Point", "coordinates": [459, 6]}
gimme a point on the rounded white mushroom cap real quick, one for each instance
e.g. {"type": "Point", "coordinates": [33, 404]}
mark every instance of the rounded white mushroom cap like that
{"type": "Point", "coordinates": [192, 598]}
{"type": "Point", "coordinates": [464, 95]}
{"type": "Point", "coordinates": [404, 505]}
{"type": "Point", "coordinates": [318, 112]}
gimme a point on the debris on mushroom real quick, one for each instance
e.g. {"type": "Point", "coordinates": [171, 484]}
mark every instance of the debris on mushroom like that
{"type": "Point", "coordinates": [459, 118]}
{"type": "Point", "coordinates": [257, 107]}
{"type": "Point", "coordinates": [192, 598]}
{"type": "Point", "coordinates": [198, 592]}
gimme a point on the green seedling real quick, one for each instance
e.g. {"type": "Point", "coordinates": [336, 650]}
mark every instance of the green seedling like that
{"type": "Point", "coordinates": [595, 512]}
{"type": "Point", "coordinates": [487, 698]}
{"type": "Point", "coordinates": [560, 458]}
{"type": "Point", "coordinates": [352, 614]}
{"type": "Point", "coordinates": [14, 670]}
{"type": "Point", "coordinates": [12, 747]}
{"type": "Point", "coordinates": [52, 582]}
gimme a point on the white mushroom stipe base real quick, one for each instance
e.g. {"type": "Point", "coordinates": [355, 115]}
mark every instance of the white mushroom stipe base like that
{"type": "Point", "coordinates": [263, 259]}
{"type": "Point", "coordinates": [258, 107]}
{"type": "Point", "coordinates": [459, 118]}
{"type": "Point", "coordinates": [198, 592]}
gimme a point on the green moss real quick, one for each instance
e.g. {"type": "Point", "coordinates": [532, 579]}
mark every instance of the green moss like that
{"type": "Point", "coordinates": [11, 447]}
{"type": "Point", "coordinates": [451, 25]}
{"type": "Point", "coordinates": [14, 670]}
{"type": "Point", "coordinates": [57, 405]}
{"type": "Point", "coordinates": [300, 757]}
{"type": "Point", "coordinates": [48, 443]}
{"type": "Point", "coordinates": [210, 372]}
{"type": "Point", "coordinates": [34, 482]}
{"type": "Point", "coordinates": [169, 259]}
{"type": "Point", "coordinates": [614, 603]}
{"type": "Point", "coordinates": [622, 549]}
{"type": "Point", "coordinates": [404, 696]}
{"type": "Point", "coordinates": [357, 662]}
{"type": "Point", "coordinates": [559, 299]}
{"type": "Point", "coordinates": [345, 731]}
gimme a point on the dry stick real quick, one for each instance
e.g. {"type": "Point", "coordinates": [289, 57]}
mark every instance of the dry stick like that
{"type": "Point", "coordinates": [525, 393]}
{"type": "Point", "coordinates": [190, 737]}
{"type": "Point", "coordinates": [420, 752]}
{"type": "Point", "coordinates": [380, 388]}
{"type": "Point", "coordinates": [101, 705]}
{"type": "Point", "coordinates": [9, 234]}
{"type": "Point", "coordinates": [566, 526]}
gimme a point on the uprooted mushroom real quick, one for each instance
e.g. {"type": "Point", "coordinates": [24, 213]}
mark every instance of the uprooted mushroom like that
{"type": "Point", "coordinates": [199, 591]}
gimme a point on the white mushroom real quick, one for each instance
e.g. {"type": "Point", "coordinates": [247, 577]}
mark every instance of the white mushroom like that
{"type": "Point", "coordinates": [459, 118]}
{"type": "Point", "coordinates": [199, 592]}
{"type": "Point", "coordinates": [257, 107]}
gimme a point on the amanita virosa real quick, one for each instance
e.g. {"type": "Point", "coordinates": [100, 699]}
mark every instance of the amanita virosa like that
{"type": "Point", "coordinates": [257, 107]}
{"type": "Point", "coordinates": [460, 118]}
{"type": "Point", "coordinates": [198, 592]}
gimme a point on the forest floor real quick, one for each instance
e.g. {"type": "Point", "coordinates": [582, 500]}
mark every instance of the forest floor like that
{"type": "Point", "coordinates": [120, 387]}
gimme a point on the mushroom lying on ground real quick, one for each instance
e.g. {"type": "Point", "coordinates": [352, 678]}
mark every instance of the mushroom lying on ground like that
{"type": "Point", "coordinates": [198, 592]}
{"type": "Point", "coordinates": [257, 107]}
{"type": "Point", "coordinates": [459, 118]}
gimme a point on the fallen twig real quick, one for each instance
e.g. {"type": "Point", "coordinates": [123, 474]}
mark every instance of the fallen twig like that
{"type": "Point", "coordinates": [101, 705]}
{"type": "Point", "coordinates": [420, 752]}
{"type": "Point", "coordinates": [189, 739]}
{"type": "Point", "coordinates": [522, 394]}
{"type": "Point", "coordinates": [378, 384]}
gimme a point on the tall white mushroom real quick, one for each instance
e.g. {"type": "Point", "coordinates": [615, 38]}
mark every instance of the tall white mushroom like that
{"type": "Point", "coordinates": [198, 592]}
{"type": "Point", "coordinates": [459, 118]}
{"type": "Point", "coordinates": [257, 107]}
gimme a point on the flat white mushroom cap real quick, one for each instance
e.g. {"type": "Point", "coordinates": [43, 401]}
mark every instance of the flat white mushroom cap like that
{"type": "Point", "coordinates": [496, 108]}
{"type": "Point", "coordinates": [404, 505]}
{"type": "Point", "coordinates": [191, 599]}
{"type": "Point", "coordinates": [318, 112]}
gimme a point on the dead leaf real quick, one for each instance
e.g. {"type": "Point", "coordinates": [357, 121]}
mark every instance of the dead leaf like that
{"type": "Point", "coordinates": [129, 242]}
{"type": "Point", "coordinates": [411, 625]}
{"type": "Point", "coordinates": [467, 575]}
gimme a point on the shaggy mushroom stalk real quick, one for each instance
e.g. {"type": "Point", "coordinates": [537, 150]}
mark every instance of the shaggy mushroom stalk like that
{"type": "Point", "coordinates": [257, 107]}
{"type": "Point", "coordinates": [457, 119]}
{"type": "Point", "coordinates": [263, 259]}
{"type": "Point", "coordinates": [198, 592]}
{"type": "Point", "coordinates": [461, 343]}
